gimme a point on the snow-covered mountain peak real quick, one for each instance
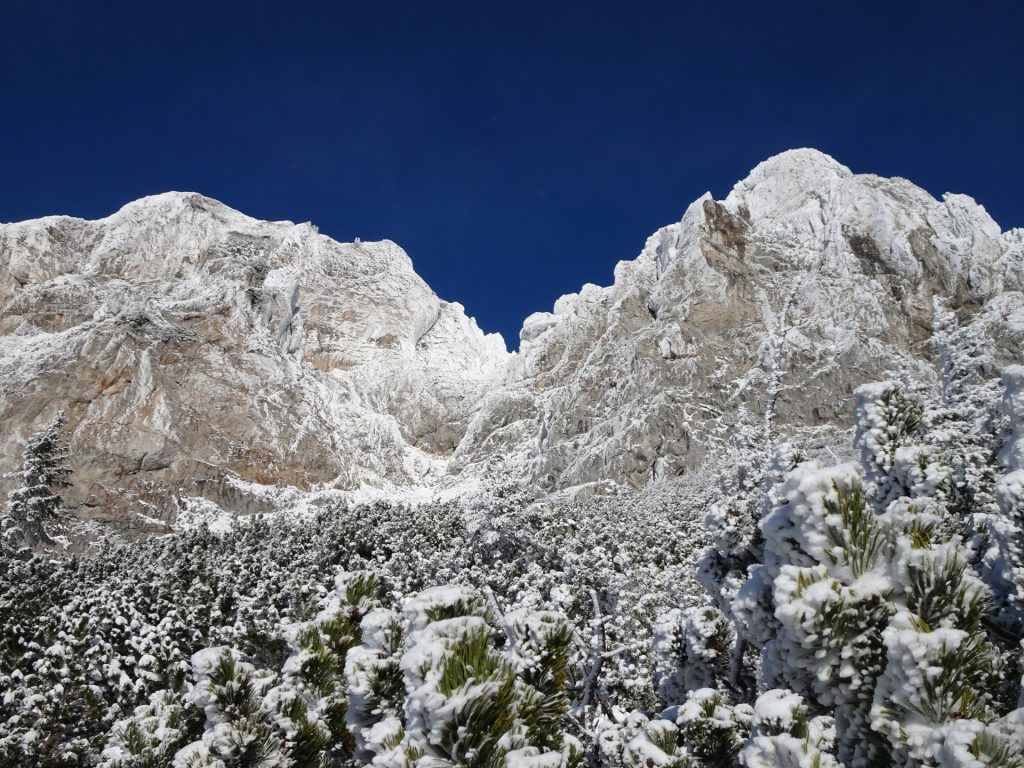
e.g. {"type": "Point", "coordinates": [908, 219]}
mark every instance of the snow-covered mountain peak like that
{"type": "Point", "coordinates": [184, 209]}
{"type": "Point", "coordinates": [805, 281]}
{"type": "Point", "coordinates": [784, 181]}
{"type": "Point", "coordinates": [198, 350]}
{"type": "Point", "coordinates": [204, 356]}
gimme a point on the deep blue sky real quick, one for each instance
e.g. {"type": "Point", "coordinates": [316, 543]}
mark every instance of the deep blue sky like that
{"type": "Point", "coordinates": [516, 150]}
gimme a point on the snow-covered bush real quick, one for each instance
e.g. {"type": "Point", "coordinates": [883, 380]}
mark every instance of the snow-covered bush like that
{"type": "Point", "coordinates": [638, 741]}
{"type": "Point", "coordinates": [239, 729]}
{"type": "Point", "coordinates": [368, 684]}
{"type": "Point", "coordinates": [152, 734]}
{"type": "Point", "coordinates": [783, 735]}
{"type": "Point", "coordinates": [884, 594]}
{"type": "Point", "coordinates": [1004, 557]}
{"type": "Point", "coordinates": [692, 649]}
{"type": "Point", "coordinates": [434, 685]}
{"type": "Point", "coordinates": [712, 728]}
{"type": "Point", "coordinates": [229, 712]}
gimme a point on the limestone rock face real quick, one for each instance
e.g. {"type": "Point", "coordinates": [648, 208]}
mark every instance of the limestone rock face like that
{"type": "Point", "coordinates": [191, 345]}
{"type": "Point", "coordinates": [806, 281]}
{"type": "Point", "coordinates": [204, 355]}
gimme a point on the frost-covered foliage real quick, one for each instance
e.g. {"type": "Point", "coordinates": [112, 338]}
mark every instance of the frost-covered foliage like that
{"type": "Point", "coordinates": [858, 613]}
{"type": "Point", "coordinates": [882, 595]}
{"type": "Point", "coordinates": [99, 652]}
{"type": "Point", "coordinates": [1003, 532]}
{"type": "Point", "coordinates": [34, 516]}
{"type": "Point", "coordinates": [364, 683]}
{"type": "Point", "coordinates": [692, 649]}
{"type": "Point", "coordinates": [706, 730]}
{"type": "Point", "coordinates": [783, 735]}
{"type": "Point", "coordinates": [611, 564]}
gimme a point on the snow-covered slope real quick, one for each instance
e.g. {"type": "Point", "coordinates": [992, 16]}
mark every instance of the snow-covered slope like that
{"type": "Point", "coordinates": [200, 353]}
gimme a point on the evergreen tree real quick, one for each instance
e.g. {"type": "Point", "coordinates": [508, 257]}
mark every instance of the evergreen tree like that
{"type": "Point", "coordinates": [857, 591]}
{"type": "Point", "coordinates": [35, 514]}
{"type": "Point", "coordinates": [880, 615]}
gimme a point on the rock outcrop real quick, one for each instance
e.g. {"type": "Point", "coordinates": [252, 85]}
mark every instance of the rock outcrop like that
{"type": "Point", "coordinates": [196, 350]}
{"type": "Point", "coordinates": [201, 354]}
{"type": "Point", "coordinates": [806, 281]}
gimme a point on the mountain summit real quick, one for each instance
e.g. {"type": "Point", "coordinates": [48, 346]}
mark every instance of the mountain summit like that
{"type": "Point", "coordinates": [207, 358]}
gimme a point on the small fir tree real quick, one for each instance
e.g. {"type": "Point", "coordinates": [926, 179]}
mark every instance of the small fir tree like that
{"type": "Point", "coordinates": [35, 514]}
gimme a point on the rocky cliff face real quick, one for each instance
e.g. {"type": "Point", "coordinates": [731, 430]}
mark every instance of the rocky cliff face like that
{"type": "Point", "coordinates": [201, 354]}
{"type": "Point", "coordinates": [197, 351]}
{"type": "Point", "coordinates": [806, 281]}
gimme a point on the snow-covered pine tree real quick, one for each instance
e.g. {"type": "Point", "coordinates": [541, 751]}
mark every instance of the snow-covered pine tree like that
{"type": "Point", "coordinates": [967, 425]}
{"type": "Point", "coordinates": [859, 599]}
{"type": "Point", "coordinates": [712, 728]}
{"type": "Point", "coordinates": [35, 515]}
{"type": "Point", "coordinates": [966, 367]}
{"type": "Point", "coordinates": [706, 731]}
{"type": "Point", "coordinates": [730, 569]}
{"type": "Point", "coordinates": [824, 640]}
{"type": "Point", "coordinates": [692, 649]}
{"type": "Point", "coordinates": [1006, 553]}
{"type": "Point", "coordinates": [365, 684]}
{"type": "Point", "coordinates": [231, 712]}
{"type": "Point", "coordinates": [240, 728]}
{"type": "Point", "coordinates": [153, 733]}
{"type": "Point", "coordinates": [376, 688]}
{"type": "Point", "coordinates": [880, 615]}
{"type": "Point", "coordinates": [640, 741]}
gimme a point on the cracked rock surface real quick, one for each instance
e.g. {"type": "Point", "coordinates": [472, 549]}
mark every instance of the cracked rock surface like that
{"type": "Point", "coordinates": [806, 281]}
{"type": "Point", "coordinates": [193, 347]}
